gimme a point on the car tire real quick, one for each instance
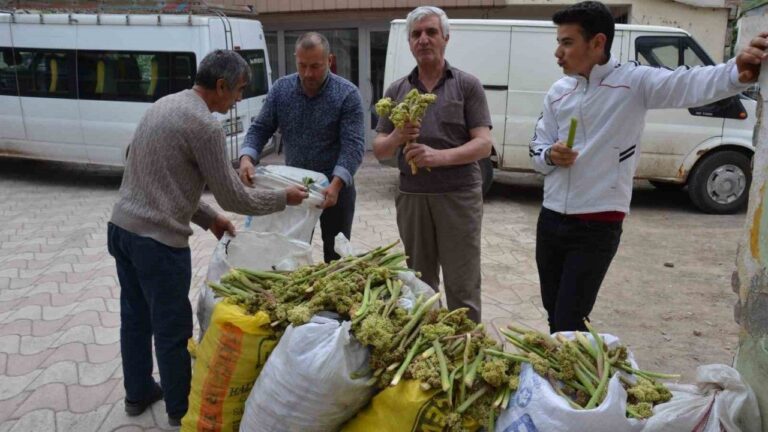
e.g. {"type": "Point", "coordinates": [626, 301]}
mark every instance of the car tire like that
{"type": "Point", "coordinates": [486, 173]}
{"type": "Point", "coordinates": [720, 182]}
{"type": "Point", "coordinates": [666, 186]}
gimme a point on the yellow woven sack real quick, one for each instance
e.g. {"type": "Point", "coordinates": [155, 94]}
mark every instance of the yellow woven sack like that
{"type": "Point", "coordinates": [229, 359]}
{"type": "Point", "coordinates": [403, 408]}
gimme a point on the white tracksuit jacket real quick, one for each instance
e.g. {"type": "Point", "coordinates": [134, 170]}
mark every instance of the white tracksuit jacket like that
{"type": "Point", "coordinates": [610, 108]}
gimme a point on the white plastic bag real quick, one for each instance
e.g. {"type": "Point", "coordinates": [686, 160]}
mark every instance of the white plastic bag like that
{"type": "Point", "coordinates": [536, 407]}
{"type": "Point", "coordinates": [253, 250]}
{"type": "Point", "coordinates": [297, 222]}
{"type": "Point", "coordinates": [307, 384]}
{"type": "Point", "coordinates": [719, 401]}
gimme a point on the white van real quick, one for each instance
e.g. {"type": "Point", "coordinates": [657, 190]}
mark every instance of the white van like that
{"type": "Point", "coordinates": [708, 148]}
{"type": "Point", "coordinates": [74, 86]}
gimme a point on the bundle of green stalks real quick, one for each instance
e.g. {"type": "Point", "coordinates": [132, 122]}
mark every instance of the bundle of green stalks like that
{"type": "Point", "coordinates": [579, 369]}
{"type": "Point", "coordinates": [443, 350]}
{"type": "Point", "coordinates": [294, 297]}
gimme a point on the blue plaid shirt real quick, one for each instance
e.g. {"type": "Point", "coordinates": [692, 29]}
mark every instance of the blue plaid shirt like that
{"type": "Point", "coordinates": [323, 133]}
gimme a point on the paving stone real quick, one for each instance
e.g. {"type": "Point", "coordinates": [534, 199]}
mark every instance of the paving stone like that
{"type": "Point", "coordinates": [106, 335]}
{"type": "Point", "coordinates": [72, 351]}
{"type": "Point", "coordinates": [82, 333]}
{"type": "Point", "coordinates": [31, 312]}
{"type": "Point", "coordinates": [97, 373]}
{"type": "Point", "coordinates": [40, 420]}
{"type": "Point", "coordinates": [109, 319]}
{"type": "Point", "coordinates": [19, 328]}
{"type": "Point", "coordinates": [83, 399]}
{"type": "Point", "coordinates": [46, 328]}
{"type": "Point", "coordinates": [10, 344]}
{"type": "Point", "coordinates": [50, 396]}
{"type": "Point", "coordinates": [87, 318]}
{"type": "Point", "coordinates": [117, 418]}
{"type": "Point", "coordinates": [10, 405]}
{"type": "Point", "coordinates": [13, 386]}
{"type": "Point", "coordinates": [102, 353]}
{"type": "Point", "coordinates": [82, 422]}
{"type": "Point", "coordinates": [57, 312]}
{"type": "Point", "coordinates": [63, 372]}
{"type": "Point", "coordinates": [20, 364]}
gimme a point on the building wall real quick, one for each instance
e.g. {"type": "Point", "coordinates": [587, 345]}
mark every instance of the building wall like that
{"type": "Point", "coordinates": [707, 25]}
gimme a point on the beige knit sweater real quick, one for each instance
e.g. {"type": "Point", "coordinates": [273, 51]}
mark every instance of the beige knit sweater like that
{"type": "Point", "coordinates": [178, 148]}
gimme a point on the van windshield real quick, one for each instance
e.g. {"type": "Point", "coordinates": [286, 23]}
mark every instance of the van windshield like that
{"type": "Point", "coordinates": [257, 61]}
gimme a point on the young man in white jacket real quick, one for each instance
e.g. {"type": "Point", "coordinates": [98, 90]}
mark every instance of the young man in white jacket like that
{"type": "Point", "coordinates": [588, 188]}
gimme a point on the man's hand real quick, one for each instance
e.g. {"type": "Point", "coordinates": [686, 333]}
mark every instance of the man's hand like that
{"type": "Point", "coordinates": [424, 155]}
{"type": "Point", "coordinates": [561, 155]}
{"type": "Point", "coordinates": [332, 193]}
{"type": "Point", "coordinates": [750, 59]}
{"type": "Point", "coordinates": [294, 195]}
{"type": "Point", "coordinates": [246, 170]}
{"type": "Point", "coordinates": [221, 225]}
{"type": "Point", "coordinates": [409, 132]}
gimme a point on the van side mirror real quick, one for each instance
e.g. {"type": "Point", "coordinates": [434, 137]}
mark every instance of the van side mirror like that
{"type": "Point", "coordinates": [730, 108]}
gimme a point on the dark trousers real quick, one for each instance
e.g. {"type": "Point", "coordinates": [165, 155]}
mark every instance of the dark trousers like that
{"type": "Point", "coordinates": [338, 219]}
{"type": "Point", "coordinates": [154, 289]}
{"type": "Point", "coordinates": [572, 256]}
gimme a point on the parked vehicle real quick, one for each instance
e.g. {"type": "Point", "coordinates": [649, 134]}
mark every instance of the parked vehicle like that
{"type": "Point", "coordinates": [74, 86]}
{"type": "Point", "coordinates": [707, 148]}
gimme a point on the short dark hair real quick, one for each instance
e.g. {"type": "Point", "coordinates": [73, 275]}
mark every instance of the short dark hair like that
{"type": "Point", "coordinates": [310, 40]}
{"type": "Point", "coordinates": [222, 64]}
{"type": "Point", "coordinates": [593, 17]}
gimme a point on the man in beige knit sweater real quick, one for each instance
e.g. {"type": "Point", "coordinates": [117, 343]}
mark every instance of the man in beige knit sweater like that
{"type": "Point", "coordinates": [177, 149]}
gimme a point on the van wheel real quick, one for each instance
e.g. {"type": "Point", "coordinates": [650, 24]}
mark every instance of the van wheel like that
{"type": "Point", "coordinates": [720, 182]}
{"type": "Point", "coordinates": [666, 186]}
{"type": "Point", "coordinates": [486, 172]}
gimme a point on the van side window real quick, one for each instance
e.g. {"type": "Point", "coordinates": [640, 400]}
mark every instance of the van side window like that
{"type": "Point", "coordinates": [7, 72]}
{"type": "Point", "coordinates": [257, 61]}
{"type": "Point", "coordinates": [133, 76]}
{"type": "Point", "coordinates": [44, 73]}
{"type": "Point", "coordinates": [670, 52]}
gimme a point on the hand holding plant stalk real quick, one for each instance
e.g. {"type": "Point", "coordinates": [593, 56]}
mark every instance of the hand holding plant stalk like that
{"type": "Point", "coordinates": [410, 110]}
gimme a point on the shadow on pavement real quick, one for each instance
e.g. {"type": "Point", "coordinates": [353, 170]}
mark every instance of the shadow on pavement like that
{"type": "Point", "coordinates": [60, 173]}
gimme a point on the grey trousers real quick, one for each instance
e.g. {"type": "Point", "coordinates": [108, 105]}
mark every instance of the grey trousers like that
{"type": "Point", "coordinates": [443, 230]}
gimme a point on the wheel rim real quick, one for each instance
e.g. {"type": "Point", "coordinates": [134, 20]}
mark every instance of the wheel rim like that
{"type": "Point", "coordinates": [726, 184]}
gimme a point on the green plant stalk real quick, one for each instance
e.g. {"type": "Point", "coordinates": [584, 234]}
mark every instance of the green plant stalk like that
{"type": "Point", "coordinates": [586, 344]}
{"type": "Point", "coordinates": [415, 319]}
{"type": "Point", "coordinates": [597, 396]}
{"type": "Point", "coordinates": [471, 399]}
{"type": "Point", "coordinates": [572, 132]}
{"type": "Point", "coordinates": [522, 345]}
{"type": "Point", "coordinates": [602, 356]}
{"type": "Point", "coordinates": [585, 380]}
{"type": "Point", "coordinates": [510, 356]}
{"type": "Point", "coordinates": [452, 313]}
{"type": "Point", "coordinates": [366, 299]}
{"type": "Point", "coordinates": [404, 365]}
{"type": "Point", "coordinates": [469, 378]}
{"type": "Point", "coordinates": [507, 397]}
{"type": "Point", "coordinates": [499, 397]}
{"type": "Point", "coordinates": [444, 378]}
{"type": "Point", "coordinates": [263, 274]}
{"type": "Point", "coordinates": [452, 380]}
{"type": "Point", "coordinates": [390, 305]}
